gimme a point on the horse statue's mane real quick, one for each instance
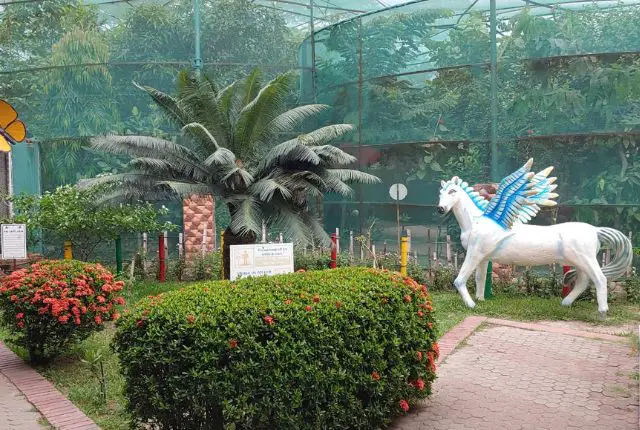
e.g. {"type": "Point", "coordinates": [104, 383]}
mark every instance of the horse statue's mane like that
{"type": "Point", "coordinates": [480, 202]}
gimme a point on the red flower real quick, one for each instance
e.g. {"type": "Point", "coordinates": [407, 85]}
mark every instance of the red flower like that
{"type": "Point", "coordinates": [100, 299]}
{"type": "Point", "coordinates": [19, 316]}
{"type": "Point", "coordinates": [432, 361]}
{"type": "Point", "coordinates": [404, 405]}
{"type": "Point", "coordinates": [233, 343]}
{"type": "Point", "coordinates": [20, 324]}
{"type": "Point", "coordinates": [115, 316]}
{"type": "Point", "coordinates": [430, 325]}
{"type": "Point", "coordinates": [191, 319]}
{"type": "Point", "coordinates": [120, 301]}
{"type": "Point", "coordinates": [420, 314]}
{"type": "Point", "coordinates": [407, 298]}
{"type": "Point", "coordinates": [64, 319]}
{"type": "Point", "coordinates": [139, 323]}
{"type": "Point", "coordinates": [308, 308]}
{"type": "Point", "coordinates": [98, 319]}
{"type": "Point", "coordinates": [338, 305]}
{"type": "Point", "coordinates": [268, 320]}
{"type": "Point", "coordinates": [288, 302]}
{"type": "Point", "coordinates": [14, 298]}
{"type": "Point", "coordinates": [436, 349]}
{"type": "Point", "coordinates": [375, 376]}
{"type": "Point", "coordinates": [316, 298]}
{"type": "Point", "coordinates": [300, 270]}
{"type": "Point", "coordinates": [419, 384]}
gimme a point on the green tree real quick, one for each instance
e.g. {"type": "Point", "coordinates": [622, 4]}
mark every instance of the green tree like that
{"type": "Point", "coordinates": [73, 214]}
{"type": "Point", "coordinates": [229, 148]}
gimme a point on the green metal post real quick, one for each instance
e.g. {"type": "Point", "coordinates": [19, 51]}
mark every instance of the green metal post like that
{"type": "Point", "coordinates": [197, 60]}
{"type": "Point", "coordinates": [494, 92]}
{"type": "Point", "coordinates": [488, 292]}
{"type": "Point", "coordinates": [118, 255]}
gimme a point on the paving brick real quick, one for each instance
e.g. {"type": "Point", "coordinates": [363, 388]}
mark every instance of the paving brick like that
{"type": "Point", "coordinates": [516, 375]}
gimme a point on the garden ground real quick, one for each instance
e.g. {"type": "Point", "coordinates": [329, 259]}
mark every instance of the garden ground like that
{"type": "Point", "coordinates": [82, 386]}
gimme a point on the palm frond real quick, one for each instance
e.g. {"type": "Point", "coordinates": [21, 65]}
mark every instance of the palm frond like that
{"type": "Point", "coordinates": [289, 151]}
{"type": "Point", "coordinates": [168, 104]}
{"type": "Point", "coordinates": [245, 216]}
{"type": "Point", "coordinates": [334, 156]}
{"type": "Point", "coordinates": [350, 175]}
{"type": "Point", "coordinates": [266, 188]}
{"type": "Point", "coordinates": [325, 134]}
{"type": "Point", "coordinates": [335, 185]}
{"type": "Point", "coordinates": [202, 129]}
{"type": "Point", "coordinates": [222, 156]}
{"type": "Point", "coordinates": [289, 120]}
{"type": "Point", "coordinates": [184, 189]}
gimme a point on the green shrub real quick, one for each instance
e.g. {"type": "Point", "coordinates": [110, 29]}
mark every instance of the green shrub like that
{"type": "Point", "coordinates": [52, 304]}
{"type": "Point", "coordinates": [342, 348]}
{"type": "Point", "coordinates": [443, 278]}
{"type": "Point", "coordinates": [631, 287]}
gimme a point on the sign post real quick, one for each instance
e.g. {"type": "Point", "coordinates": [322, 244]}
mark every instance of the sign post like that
{"type": "Point", "coordinates": [14, 241]}
{"type": "Point", "coordinates": [398, 192]}
{"type": "Point", "coordinates": [260, 259]}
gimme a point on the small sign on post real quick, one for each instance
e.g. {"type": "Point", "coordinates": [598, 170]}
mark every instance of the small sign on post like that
{"type": "Point", "coordinates": [14, 241]}
{"type": "Point", "coordinates": [260, 259]}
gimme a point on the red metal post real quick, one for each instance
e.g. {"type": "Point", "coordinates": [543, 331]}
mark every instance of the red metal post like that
{"type": "Point", "coordinates": [334, 251]}
{"type": "Point", "coordinates": [161, 259]}
{"type": "Point", "coordinates": [566, 288]}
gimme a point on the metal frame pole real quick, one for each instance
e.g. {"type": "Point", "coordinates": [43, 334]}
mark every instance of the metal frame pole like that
{"type": "Point", "coordinates": [197, 60]}
{"type": "Point", "coordinates": [494, 92]}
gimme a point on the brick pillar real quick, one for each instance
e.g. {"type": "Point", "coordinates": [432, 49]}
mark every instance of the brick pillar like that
{"type": "Point", "coordinates": [198, 214]}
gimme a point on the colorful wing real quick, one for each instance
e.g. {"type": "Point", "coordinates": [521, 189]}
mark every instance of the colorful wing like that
{"type": "Point", "coordinates": [544, 187]}
{"type": "Point", "coordinates": [4, 144]}
{"type": "Point", "coordinates": [7, 114]}
{"type": "Point", "coordinates": [513, 197]}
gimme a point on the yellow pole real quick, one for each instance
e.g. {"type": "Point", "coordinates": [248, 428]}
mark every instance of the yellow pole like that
{"type": "Point", "coordinates": [404, 250]}
{"type": "Point", "coordinates": [222, 255]}
{"type": "Point", "coordinates": [68, 250]}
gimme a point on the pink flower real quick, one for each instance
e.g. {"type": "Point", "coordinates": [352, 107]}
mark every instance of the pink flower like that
{"type": "Point", "coordinates": [19, 316]}
{"type": "Point", "coordinates": [419, 354]}
{"type": "Point", "coordinates": [419, 384]}
{"type": "Point", "coordinates": [308, 308]}
{"type": "Point", "coordinates": [375, 376]}
{"type": "Point", "coordinates": [407, 298]}
{"type": "Point", "coordinates": [404, 405]}
{"type": "Point", "coordinates": [268, 320]}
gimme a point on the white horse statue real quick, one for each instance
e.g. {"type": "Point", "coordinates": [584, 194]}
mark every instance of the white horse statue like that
{"type": "Point", "coordinates": [496, 230]}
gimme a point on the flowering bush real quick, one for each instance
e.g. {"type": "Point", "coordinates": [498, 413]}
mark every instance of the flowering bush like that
{"type": "Point", "coordinates": [54, 303]}
{"type": "Point", "coordinates": [344, 348]}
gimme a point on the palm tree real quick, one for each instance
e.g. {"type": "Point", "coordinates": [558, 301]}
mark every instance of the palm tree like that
{"type": "Point", "coordinates": [229, 148]}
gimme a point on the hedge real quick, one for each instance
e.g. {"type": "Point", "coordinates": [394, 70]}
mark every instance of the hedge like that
{"type": "Point", "coordinates": [345, 348]}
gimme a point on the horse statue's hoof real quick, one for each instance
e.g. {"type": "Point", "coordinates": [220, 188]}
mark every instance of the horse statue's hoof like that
{"type": "Point", "coordinates": [603, 315]}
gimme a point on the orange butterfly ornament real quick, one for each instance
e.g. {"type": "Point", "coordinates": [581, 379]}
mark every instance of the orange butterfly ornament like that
{"type": "Point", "coordinates": [12, 130]}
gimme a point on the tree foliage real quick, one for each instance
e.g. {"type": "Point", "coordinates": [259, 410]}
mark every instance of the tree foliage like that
{"type": "Point", "coordinates": [73, 214]}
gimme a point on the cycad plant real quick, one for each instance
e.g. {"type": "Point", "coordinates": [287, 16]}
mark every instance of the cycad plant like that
{"type": "Point", "coordinates": [229, 147]}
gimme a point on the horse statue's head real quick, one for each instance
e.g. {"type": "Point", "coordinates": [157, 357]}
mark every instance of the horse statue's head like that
{"type": "Point", "coordinates": [453, 191]}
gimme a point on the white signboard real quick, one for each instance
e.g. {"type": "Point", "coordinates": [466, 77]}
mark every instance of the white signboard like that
{"type": "Point", "coordinates": [260, 259]}
{"type": "Point", "coordinates": [14, 241]}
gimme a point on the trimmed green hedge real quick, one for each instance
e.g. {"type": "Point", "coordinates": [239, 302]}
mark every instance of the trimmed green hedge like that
{"type": "Point", "coordinates": [345, 348]}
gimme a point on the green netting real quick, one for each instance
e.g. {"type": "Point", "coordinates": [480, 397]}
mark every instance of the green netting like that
{"type": "Point", "coordinates": [415, 78]}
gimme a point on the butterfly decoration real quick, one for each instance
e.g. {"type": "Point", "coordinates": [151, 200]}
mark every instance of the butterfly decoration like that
{"type": "Point", "coordinates": [12, 130]}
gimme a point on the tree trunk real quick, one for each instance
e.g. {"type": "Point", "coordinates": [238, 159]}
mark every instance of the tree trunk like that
{"type": "Point", "coordinates": [232, 239]}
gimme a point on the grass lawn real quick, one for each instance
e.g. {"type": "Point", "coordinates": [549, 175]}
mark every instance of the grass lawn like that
{"type": "Point", "coordinates": [81, 385]}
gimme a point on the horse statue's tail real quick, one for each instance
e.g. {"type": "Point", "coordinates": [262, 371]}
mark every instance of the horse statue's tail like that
{"type": "Point", "coordinates": [622, 251]}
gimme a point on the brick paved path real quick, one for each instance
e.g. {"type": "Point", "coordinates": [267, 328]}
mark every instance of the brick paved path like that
{"type": "Point", "coordinates": [509, 378]}
{"type": "Point", "coordinates": [16, 413]}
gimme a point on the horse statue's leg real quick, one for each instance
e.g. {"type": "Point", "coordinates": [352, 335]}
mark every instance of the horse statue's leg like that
{"type": "Point", "coordinates": [471, 262]}
{"type": "Point", "coordinates": [589, 265]}
{"type": "Point", "coordinates": [582, 282]}
{"type": "Point", "coordinates": [481, 279]}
